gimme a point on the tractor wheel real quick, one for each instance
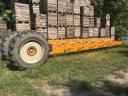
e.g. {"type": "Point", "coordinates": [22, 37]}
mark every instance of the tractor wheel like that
{"type": "Point", "coordinates": [29, 49]}
{"type": "Point", "coordinates": [5, 45]}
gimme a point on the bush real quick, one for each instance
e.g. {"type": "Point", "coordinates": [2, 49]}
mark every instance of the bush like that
{"type": "Point", "coordinates": [121, 31]}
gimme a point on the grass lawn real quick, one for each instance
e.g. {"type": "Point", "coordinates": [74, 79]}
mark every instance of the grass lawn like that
{"type": "Point", "coordinates": [91, 67]}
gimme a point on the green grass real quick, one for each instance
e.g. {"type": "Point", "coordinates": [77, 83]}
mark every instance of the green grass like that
{"type": "Point", "coordinates": [90, 66]}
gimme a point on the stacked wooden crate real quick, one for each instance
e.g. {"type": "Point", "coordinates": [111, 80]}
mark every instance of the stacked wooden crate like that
{"type": "Point", "coordinates": [40, 19]}
{"type": "Point", "coordinates": [3, 29]}
{"type": "Point", "coordinates": [113, 33]}
{"type": "Point", "coordinates": [69, 19]}
{"type": "Point", "coordinates": [61, 19]}
{"type": "Point", "coordinates": [21, 17]}
{"type": "Point", "coordinates": [77, 27]}
{"type": "Point", "coordinates": [87, 20]}
{"type": "Point", "coordinates": [108, 26]}
{"type": "Point", "coordinates": [105, 25]}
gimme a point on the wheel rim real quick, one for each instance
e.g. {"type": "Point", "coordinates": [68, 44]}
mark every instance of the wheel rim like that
{"type": "Point", "coordinates": [31, 52]}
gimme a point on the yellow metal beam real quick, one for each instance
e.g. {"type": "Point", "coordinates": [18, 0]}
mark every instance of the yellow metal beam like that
{"type": "Point", "coordinates": [77, 45]}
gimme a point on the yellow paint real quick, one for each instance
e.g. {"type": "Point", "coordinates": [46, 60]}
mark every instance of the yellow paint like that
{"type": "Point", "coordinates": [77, 45]}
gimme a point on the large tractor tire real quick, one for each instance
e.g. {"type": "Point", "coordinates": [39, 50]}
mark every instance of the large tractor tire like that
{"type": "Point", "coordinates": [5, 45]}
{"type": "Point", "coordinates": [29, 49]}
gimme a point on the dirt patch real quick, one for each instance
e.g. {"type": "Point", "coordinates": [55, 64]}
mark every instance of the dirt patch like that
{"type": "Point", "coordinates": [120, 77]}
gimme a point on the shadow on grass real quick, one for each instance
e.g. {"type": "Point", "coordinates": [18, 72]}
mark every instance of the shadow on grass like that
{"type": "Point", "coordinates": [82, 88]}
{"type": "Point", "coordinates": [123, 52]}
{"type": "Point", "coordinates": [13, 67]}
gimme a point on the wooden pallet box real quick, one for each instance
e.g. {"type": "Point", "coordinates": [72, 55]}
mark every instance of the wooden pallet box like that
{"type": "Point", "coordinates": [89, 11]}
{"type": "Point", "coordinates": [21, 12]}
{"type": "Point", "coordinates": [61, 32]}
{"type": "Point", "coordinates": [69, 8]}
{"type": "Point", "coordinates": [85, 32]}
{"type": "Point", "coordinates": [52, 33]}
{"type": "Point", "coordinates": [91, 32]}
{"type": "Point", "coordinates": [3, 29]}
{"type": "Point", "coordinates": [88, 21]}
{"type": "Point", "coordinates": [77, 32]}
{"type": "Point", "coordinates": [52, 19]}
{"type": "Point", "coordinates": [61, 19]}
{"type": "Point", "coordinates": [76, 7]}
{"type": "Point", "coordinates": [41, 21]}
{"type": "Point", "coordinates": [35, 1]}
{"type": "Point", "coordinates": [103, 32]}
{"type": "Point", "coordinates": [96, 32]}
{"type": "Point", "coordinates": [82, 2]}
{"type": "Point", "coordinates": [98, 22]}
{"type": "Point", "coordinates": [43, 31]}
{"type": "Point", "coordinates": [46, 5]}
{"type": "Point", "coordinates": [113, 31]}
{"type": "Point", "coordinates": [62, 5]}
{"type": "Point", "coordinates": [22, 26]}
{"type": "Point", "coordinates": [70, 32]}
{"type": "Point", "coordinates": [87, 2]}
{"type": "Point", "coordinates": [76, 20]}
{"type": "Point", "coordinates": [69, 19]}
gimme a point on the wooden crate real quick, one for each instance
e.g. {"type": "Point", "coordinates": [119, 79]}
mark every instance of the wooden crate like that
{"type": "Point", "coordinates": [52, 19]}
{"type": "Point", "coordinates": [69, 8]}
{"type": "Point", "coordinates": [21, 12]}
{"type": "Point", "coordinates": [61, 5]}
{"type": "Point", "coordinates": [87, 2]}
{"type": "Point", "coordinates": [76, 20]}
{"type": "Point", "coordinates": [61, 19]}
{"type": "Point", "coordinates": [89, 11]}
{"type": "Point", "coordinates": [35, 2]}
{"type": "Point", "coordinates": [82, 2]}
{"type": "Point", "coordinates": [91, 32]}
{"type": "Point", "coordinates": [36, 9]}
{"type": "Point", "coordinates": [85, 32]}
{"type": "Point", "coordinates": [96, 32]}
{"type": "Point", "coordinates": [98, 22]}
{"type": "Point", "coordinates": [76, 7]}
{"type": "Point", "coordinates": [69, 19]}
{"type": "Point", "coordinates": [61, 32]}
{"type": "Point", "coordinates": [88, 21]}
{"type": "Point", "coordinates": [23, 26]}
{"type": "Point", "coordinates": [46, 5]}
{"type": "Point", "coordinates": [70, 32]}
{"type": "Point", "coordinates": [77, 32]}
{"type": "Point", "coordinates": [52, 33]}
{"type": "Point", "coordinates": [41, 21]}
{"type": "Point", "coordinates": [108, 33]}
{"type": "Point", "coordinates": [103, 32]}
{"type": "Point", "coordinates": [113, 35]}
{"type": "Point", "coordinates": [43, 31]}
{"type": "Point", "coordinates": [3, 29]}
{"type": "Point", "coordinates": [113, 30]}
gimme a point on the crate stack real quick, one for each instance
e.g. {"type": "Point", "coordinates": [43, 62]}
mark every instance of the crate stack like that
{"type": "Point", "coordinates": [49, 8]}
{"type": "Point", "coordinates": [69, 19]}
{"type": "Point", "coordinates": [21, 17]}
{"type": "Point", "coordinates": [97, 27]}
{"type": "Point", "coordinates": [113, 33]}
{"type": "Point", "coordinates": [61, 19]}
{"type": "Point", "coordinates": [77, 26]}
{"type": "Point", "coordinates": [105, 26]}
{"type": "Point", "coordinates": [108, 25]}
{"type": "Point", "coordinates": [87, 18]}
{"type": "Point", "coordinates": [40, 19]}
